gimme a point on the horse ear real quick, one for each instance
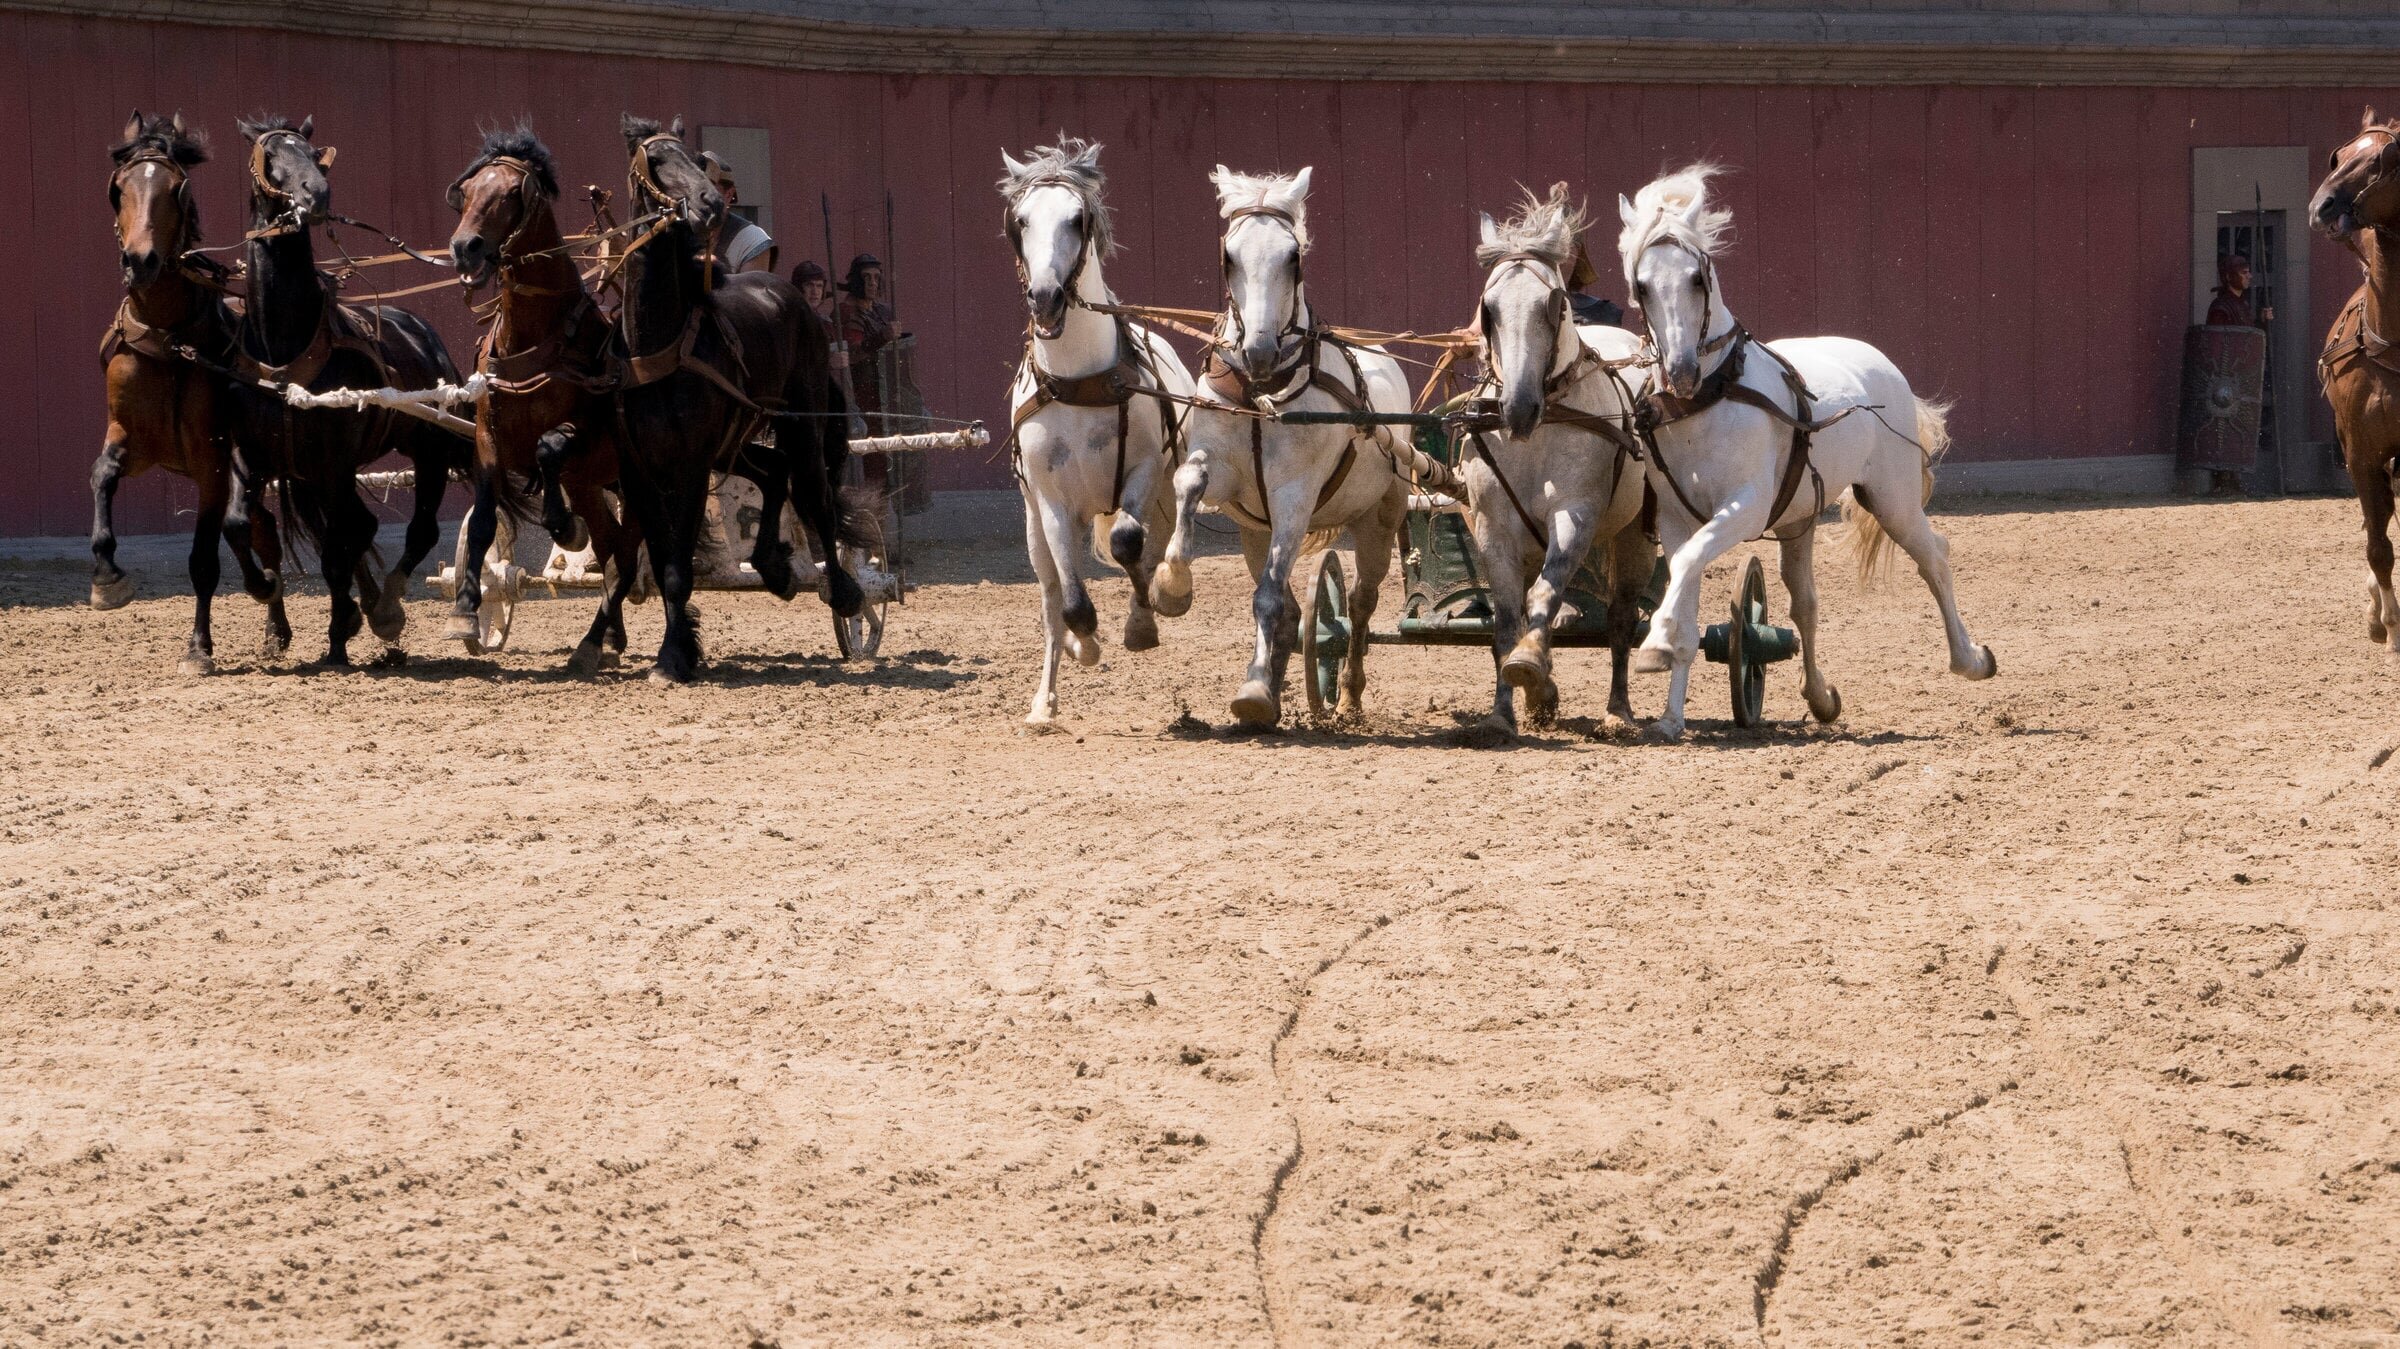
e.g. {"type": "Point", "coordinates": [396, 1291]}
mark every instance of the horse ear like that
{"type": "Point", "coordinates": [1009, 163]}
{"type": "Point", "coordinates": [176, 122]}
{"type": "Point", "coordinates": [675, 128]}
{"type": "Point", "coordinates": [133, 125]}
{"type": "Point", "coordinates": [1491, 232]}
{"type": "Point", "coordinates": [1300, 183]}
{"type": "Point", "coordinates": [1088, 157]}
{"type": "Point", "coordinates": [325, 154]}
{"type": "Point", "coordinates": [2366, 119]}
{"type": "Point", "coordinates": [308, 126]}
{"type": "Point", "coordinates": [1625, 211]}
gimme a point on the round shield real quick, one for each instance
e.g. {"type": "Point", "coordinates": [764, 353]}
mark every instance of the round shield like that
{"type": "Point", "coordinates": [2224, 374]}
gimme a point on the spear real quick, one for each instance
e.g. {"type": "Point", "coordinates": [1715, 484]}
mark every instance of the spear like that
{"type": "Point", "coordinates": [825, 201]}
{"type": "Point", "coordinates": [891, 273]}
{"type": "Point", "coordinates": [2266, 306]}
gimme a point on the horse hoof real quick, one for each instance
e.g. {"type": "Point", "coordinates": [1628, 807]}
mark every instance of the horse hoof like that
{"type": "Point", "coordinates": [1981, 669]}
{"type": "Point", "coordinates": [197, 663]}
{"type": "Point", "coordinates": [585, 662]}
{"type": "Point", "coordinates": [1651, 660]}
{"type": "Point", "coordinates": [2375, 631]}
{"type": "Point", "coordinates": [1663, 732]}
{"type": "Point", "coordinates": [1141, 633]}
{"type": "Point", "coordinates": [1256, 705]}
{"type": "Point", "coordinates": [1040, 725]}
{"type": "Point", "coordinates": [388, 620]}
{"type": "Point", "coordinates": [1085, 651]}
{"type": "Point", "coordinates": [274, 644]}
{"type": "Point", "coordinates": [1830, 710]}
{"type": "Point", "coordinates": [1525, 673]}
{"type": "Point", "coordinates": [1493, 732]}
{"type": "Point", "coordinates": [667, 679]}
{"type": "Point", "coordinates": [461, 628]}
{"type": "Point", "coordinates": [118, 593]}
{"type": "Point", "coordinates": [1171, 596]}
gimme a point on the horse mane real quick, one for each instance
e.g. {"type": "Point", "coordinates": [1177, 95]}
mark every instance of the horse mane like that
{"type": "Point", "coordinates": [1073, 163]}
{"type": "Point", "coordinates": [518, 142]}
{"type": "Point", "coordinates": [1676, 206]}
{"type": "Point", "coordinates": [1285, 192]}
{"type": "Point", "coordinates": [1550, 228]}
{"type": "Point", "coordinates": [259, 124]}
{"type": "Point", "coordinates": [638, 128]}
{"type": "Point", "coordinates": [167, 135]}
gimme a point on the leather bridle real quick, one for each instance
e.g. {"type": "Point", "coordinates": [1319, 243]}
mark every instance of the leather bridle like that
{"type": "Point", "coordinates": [1292, 325]}
{"type": "Point", "coordinates": [183, 191]}
{"type": "Point", "coordinates": [262, 181]}
{"type": "Point", "coordinates": [1709, 346]}
{"type": "Point", "coordinates": [1016, 243]}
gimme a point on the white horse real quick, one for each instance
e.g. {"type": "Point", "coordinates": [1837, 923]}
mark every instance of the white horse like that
{"type": "Point", "coordinates": [1730, 464]}
{"type": "Point", "coordinates": [1289, 487]}
{"type": "Point", "coordinates": [1091, 439]}
{"type": "Point", "coordinates": [1558, 474]}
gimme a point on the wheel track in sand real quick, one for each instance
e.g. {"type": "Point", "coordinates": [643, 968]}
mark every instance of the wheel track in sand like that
{"type": "Point", "coordinates": [1262, 1235]}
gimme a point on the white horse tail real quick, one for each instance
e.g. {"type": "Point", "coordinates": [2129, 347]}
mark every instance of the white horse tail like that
{"type": "Point", "coordinates": [1870, 544]}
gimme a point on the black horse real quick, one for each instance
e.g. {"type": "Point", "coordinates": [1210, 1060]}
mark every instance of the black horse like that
{"type": "Point", "coordinates": [708, 360]}
{"type": "Point", "coordinates": [292, 332]}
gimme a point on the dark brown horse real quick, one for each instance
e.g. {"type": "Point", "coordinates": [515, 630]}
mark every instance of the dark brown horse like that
{"type": "Point", "coordinates": [293, 333]}
{"type": "Point", "coordinates": [162, 406]}
{"type": "Point", "coordinates": [546, 359]}
{"type": "Point", "coordinates": [2358, 204]}
{"type": "Point", "coordinates": [707, 362]}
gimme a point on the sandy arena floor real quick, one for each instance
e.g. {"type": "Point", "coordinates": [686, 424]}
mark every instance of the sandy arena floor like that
{"type": "Point", "coordinates": [470, 1003]}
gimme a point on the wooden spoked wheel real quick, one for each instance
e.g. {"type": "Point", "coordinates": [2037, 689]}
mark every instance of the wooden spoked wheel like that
{"type": "Point", "coordinates": [1325, 634]}
{"type": "Point", "coordinates": [1745, 667]}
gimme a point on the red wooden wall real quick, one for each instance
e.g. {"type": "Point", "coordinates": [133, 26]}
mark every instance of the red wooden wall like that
{"type": "Point", "coordinates": [2025, 251]}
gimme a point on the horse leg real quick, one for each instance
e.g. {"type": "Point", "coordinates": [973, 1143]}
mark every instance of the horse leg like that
{"type": "Point", "coordinates": [1054, 627]}
{"type": "Point", "coordinates": [1132, 545]}
{"type": "Point", "coordinates": [818, 500]}
{"type": "Point", "coordinates": [340, 555]}
{"type": "Point", "coordinates": [1528, 662]}
{"type": "Point", "coordinates": [673, 528]}
{"type": "Point", "coordinates": [771, 555]}
{"type": "Point", "coordinates": [1275, 615]}
{"type": "Point", "coordinates": [481, 526]}
{"type": "Point", "coordinates": [1675, 628]}
{"type": "Point", "coordinates": [241, 505]}
{"type": "Point", "coordinates": [1899, 506]}
{"type": "Point", "coordinates": [199, 657]}
{"type": "Point", "coordinates": [1061, 532]}
{"type": "Point", "coordinates": [1372, 551]}
{"type": "Point", "coordinates": [1171, 591]}
{"type": "Point", "coordinates": [111, 587]}
{"type": "Point", "coordinates": [432, 464]}
{"type": "Point", "coordinates": [1500, 545]}
{"type": "Point", "coordinates": [2371, 477]}
{"type": "Point", "coordinates": [608, 538]}
{"type": "Point", "coordinates": [1800, 582]}
{"type": "Point", "coordinates": [268, 544]}
{"type": "Point", "coordinates": [551, 455]}
{"type": "Point", "coordinates": [1631, 559]}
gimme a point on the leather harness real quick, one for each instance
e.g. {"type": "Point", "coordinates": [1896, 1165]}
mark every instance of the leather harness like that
{"type": "Point", "coordinates": [1661, 408]}
{"type": "Point", "coordinates": [1555, 412]}
{"type": "Point", "coordinates": [1115, 387]}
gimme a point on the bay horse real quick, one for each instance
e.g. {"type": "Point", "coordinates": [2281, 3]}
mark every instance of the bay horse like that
{"type": "Point", "coordinates": [1561, 471]}
{"type": "Point", "coordinates": [162, 405]}
{"type": "Point", "coordinates": [1291, 488]}
{"type": "Point", "coordinates": [1737, 451]}
{"type": "Point", "coordinates": [1087, 444]}
{"type": "Point", "coordinates": [706, 361]}
{"type": "Point", "coordinates": [293, 333]}
{"type": "Point", "coordinates": [2358, 205]}
{"type": "Point", "coordinates": [546, 363]}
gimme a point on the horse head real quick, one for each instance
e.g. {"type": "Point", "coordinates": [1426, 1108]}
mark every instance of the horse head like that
{"type": "Point", "coordinates": [1056, 223]}
{"type": "Point", "coordinates": [507, 187]}
{"type": "Point", "coordinates": [2358, 180]}
{"type": "Point", "coordinates": [1669, 244]}
{"type": "Point", "coordinates": [150, 193]}
{"type": "Point", "coordinates": [1527, 325]}
{"type": "Point", "coordinates": [288, 183]}
{"type": "Point", "coordinates": [664, 177]}
{"type": "Point", "coordinates": [1266, 235]}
